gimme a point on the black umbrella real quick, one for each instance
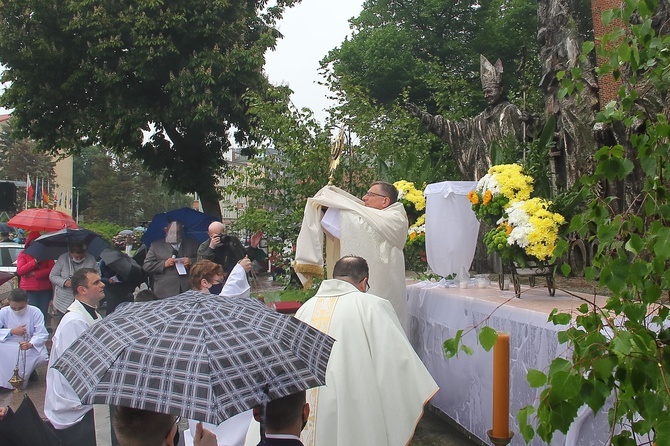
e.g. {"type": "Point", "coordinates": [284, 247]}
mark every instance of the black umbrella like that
{"type": "Point", "coordinates": [25, 427]}
{"type": "Point", "coordinates": [124, 266]}
{"type": "Point", "coordinates": [53, 244]}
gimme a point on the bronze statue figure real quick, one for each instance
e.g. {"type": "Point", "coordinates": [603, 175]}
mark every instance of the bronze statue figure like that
{"type": "Point", "coordinates": [470, 139]}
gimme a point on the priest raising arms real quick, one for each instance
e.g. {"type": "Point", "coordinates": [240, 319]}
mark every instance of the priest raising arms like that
{"type": "Point", "coordinates": [374, 228]}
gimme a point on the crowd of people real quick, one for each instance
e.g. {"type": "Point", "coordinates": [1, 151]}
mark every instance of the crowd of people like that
{"type": "Point", "coordinates": [376, 386]}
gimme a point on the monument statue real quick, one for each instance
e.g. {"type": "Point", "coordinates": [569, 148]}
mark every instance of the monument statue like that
{"type": "Point", "coordinates": [470, 139]}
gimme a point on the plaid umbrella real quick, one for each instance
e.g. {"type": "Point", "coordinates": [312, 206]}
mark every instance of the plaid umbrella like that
{"type": "Point", "coordinates": [201, 356]}
{"type": "Point", "coordinates": [42, 219]}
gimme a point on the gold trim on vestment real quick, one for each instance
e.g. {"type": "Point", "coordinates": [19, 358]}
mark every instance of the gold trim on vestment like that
{"type": "Point", "coordinates": [321, 318]}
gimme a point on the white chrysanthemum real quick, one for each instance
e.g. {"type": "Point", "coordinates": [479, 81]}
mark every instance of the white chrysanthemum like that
{"type": "Point", "coordinates": [519, 219]}
{"type": "Point", "coordinates": [488, 182]}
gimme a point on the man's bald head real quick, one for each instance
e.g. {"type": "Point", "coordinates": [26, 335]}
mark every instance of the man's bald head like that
{"type": "Point", "coordinates": [216, 228]}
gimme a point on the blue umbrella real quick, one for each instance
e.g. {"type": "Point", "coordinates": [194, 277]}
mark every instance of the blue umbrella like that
{"type": "Point", "coordinates": [195, 224]}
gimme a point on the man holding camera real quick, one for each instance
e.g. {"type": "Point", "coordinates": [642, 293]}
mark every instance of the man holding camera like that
{"type": "Point", "coordinates": [221, 248]}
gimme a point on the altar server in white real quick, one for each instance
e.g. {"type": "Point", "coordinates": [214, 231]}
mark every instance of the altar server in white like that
{"type": "Point", "coordinates": [73, 421]}
{"type": "Point", "coordinates": [21, 330]}
{"type": "Point", "coordinates": [376, 385]}
{"type": "Point", "coordinates": [374, 227]}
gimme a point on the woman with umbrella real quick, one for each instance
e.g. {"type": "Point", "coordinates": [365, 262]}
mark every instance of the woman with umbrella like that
{"type": "Point", "coordinates": [34, 276]}
{"type": "Point", "coordinates": [76, 258]}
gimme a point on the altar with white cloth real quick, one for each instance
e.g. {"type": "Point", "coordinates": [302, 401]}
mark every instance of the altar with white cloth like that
{"type": "Point", "coordinates": [435, 314]}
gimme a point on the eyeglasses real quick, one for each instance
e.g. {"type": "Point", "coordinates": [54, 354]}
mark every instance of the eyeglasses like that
{"type": "Point", "coordinates": [375, 194]}
{"type": "Point", "coordinates": [367, 284]}
{"type": "Point", "coordinates": [176, 422]}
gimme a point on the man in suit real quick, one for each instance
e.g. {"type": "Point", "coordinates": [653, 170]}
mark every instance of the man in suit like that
{"type": "Point", "coordinates": [284, 420]}
{"type": "Point", "coordinates": [168, 261]}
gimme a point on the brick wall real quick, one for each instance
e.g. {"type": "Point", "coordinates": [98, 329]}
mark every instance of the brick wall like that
{"type": "Point", "coordinates": [608, 87]}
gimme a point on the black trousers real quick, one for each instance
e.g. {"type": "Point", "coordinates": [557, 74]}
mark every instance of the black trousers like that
{"type": "Point", "coordinates": [80, 434]}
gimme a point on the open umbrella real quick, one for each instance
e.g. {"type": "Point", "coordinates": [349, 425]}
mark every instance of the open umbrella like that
{"type": "Point", "coordinates": [195, 224]}
{"type": "Point", "coordinates": [201, 356]}
{"type": "Point", "coordinates": [41, 219]}
{"type": "Point", "coordinates": [127, 232]}
{"type": "Point", "coordinates": [124, 266]}
{"type": "Point", "coordinates": [52, 245]}
{"type": "Point", "coordinates": [25, 427]}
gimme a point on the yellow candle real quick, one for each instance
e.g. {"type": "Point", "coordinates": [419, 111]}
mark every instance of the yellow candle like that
{"type": "Point", "coordinates": [501, 386]}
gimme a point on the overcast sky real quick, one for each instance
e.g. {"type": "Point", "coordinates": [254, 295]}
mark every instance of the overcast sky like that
{"type": "Point", "coordinates": [310, 29]}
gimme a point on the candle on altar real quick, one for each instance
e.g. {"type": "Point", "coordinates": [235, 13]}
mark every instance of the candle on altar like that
{"type": "Point", "coordinates": [501, 386]}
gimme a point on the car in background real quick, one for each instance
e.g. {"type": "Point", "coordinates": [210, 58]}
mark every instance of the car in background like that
{"type": "Point", "coordinates": [9, 252]}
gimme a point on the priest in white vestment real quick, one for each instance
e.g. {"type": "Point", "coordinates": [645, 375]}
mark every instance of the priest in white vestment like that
{"type": "Point", "coordinates": [21, 330]}
{"type": "Point", "coordinates": [376, 385]}
{"type": "Point", "coordinates": [73, 421]}
{"type": "Point", "coordinates": [374, 228]}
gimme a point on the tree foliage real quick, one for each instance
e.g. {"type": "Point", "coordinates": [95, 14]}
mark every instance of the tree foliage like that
{"type": "Point", "coordinates": [18, 158]}
{"type": "Point", "coordinates": [159, 81]}
{"type": "Point", "coordinates": [291, 165]}
{"type": "Point", "coordinates": [426, 53]}
{"type": "Point", "coordinates": [119, 190]}
{"type": "Point", "coordinates": [619, 354]}
{"type": "Point", "coordinates": [622, 350]}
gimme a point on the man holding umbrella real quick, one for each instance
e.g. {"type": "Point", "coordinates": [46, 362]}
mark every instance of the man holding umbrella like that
{"type": "Point", "coordinates": [169, 260]}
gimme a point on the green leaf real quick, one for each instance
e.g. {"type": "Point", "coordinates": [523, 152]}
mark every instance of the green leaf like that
{"type": "Point", "coordinates": [634, 244]}
{"type": "Point", "coordinates": [662, 245]}
{"type": "Point", "coordinates": [450, 346]}
{"type": "Point", "coordinates": [522, 416]}
{"type": "Point", "coordinates": [488, 337]}
{"type": "Point", "coordinates": [536, 378]}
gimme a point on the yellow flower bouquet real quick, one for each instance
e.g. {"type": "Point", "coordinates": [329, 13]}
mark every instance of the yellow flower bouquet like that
{"type": "Point", "coordinates": [526, 229]}
{"type": "Point", "coordinates": [503, 184]}
{"type": "Point", "coordinates": [415, 205]}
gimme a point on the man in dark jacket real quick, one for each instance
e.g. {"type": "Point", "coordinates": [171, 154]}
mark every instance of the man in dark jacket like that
{"type": "Point", "coordinates": [221, 248]}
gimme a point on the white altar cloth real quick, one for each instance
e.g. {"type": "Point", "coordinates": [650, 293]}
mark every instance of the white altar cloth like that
{"type": "Point", "coordinates": [465, 395]}
{"type": "Point", "coordinates": [451, 226]}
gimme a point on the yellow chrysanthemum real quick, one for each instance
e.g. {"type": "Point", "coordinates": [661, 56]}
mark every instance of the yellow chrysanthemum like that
{"type": "Point", "coordinates": [473, 197]}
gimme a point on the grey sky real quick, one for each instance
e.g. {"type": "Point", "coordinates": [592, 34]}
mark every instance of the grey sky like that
{"type": "Point", "coordinates": [310, 29]}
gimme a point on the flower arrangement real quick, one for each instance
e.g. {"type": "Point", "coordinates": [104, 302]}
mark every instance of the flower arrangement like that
{"type": "Point", "coordinates": [525, 228]}
{"type": "Point", "coordinates": [120, 240]}
{"type": "Point", "coordinates": [503, 184]}
{"type": "Point", "coordinates": [412, 198]}
{"type": "Point", "coordinates": [415, 205]}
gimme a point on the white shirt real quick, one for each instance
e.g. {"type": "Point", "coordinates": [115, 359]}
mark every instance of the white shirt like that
{"type": "Point", "coordinates": [62, 405]}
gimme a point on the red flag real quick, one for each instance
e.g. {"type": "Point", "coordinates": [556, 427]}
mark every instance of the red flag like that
{"type": "Point", "coordinates": [31, 191]}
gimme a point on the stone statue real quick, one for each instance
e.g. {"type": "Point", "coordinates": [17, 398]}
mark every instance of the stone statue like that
{"type": "Point", "coordinates": [470, 139]}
